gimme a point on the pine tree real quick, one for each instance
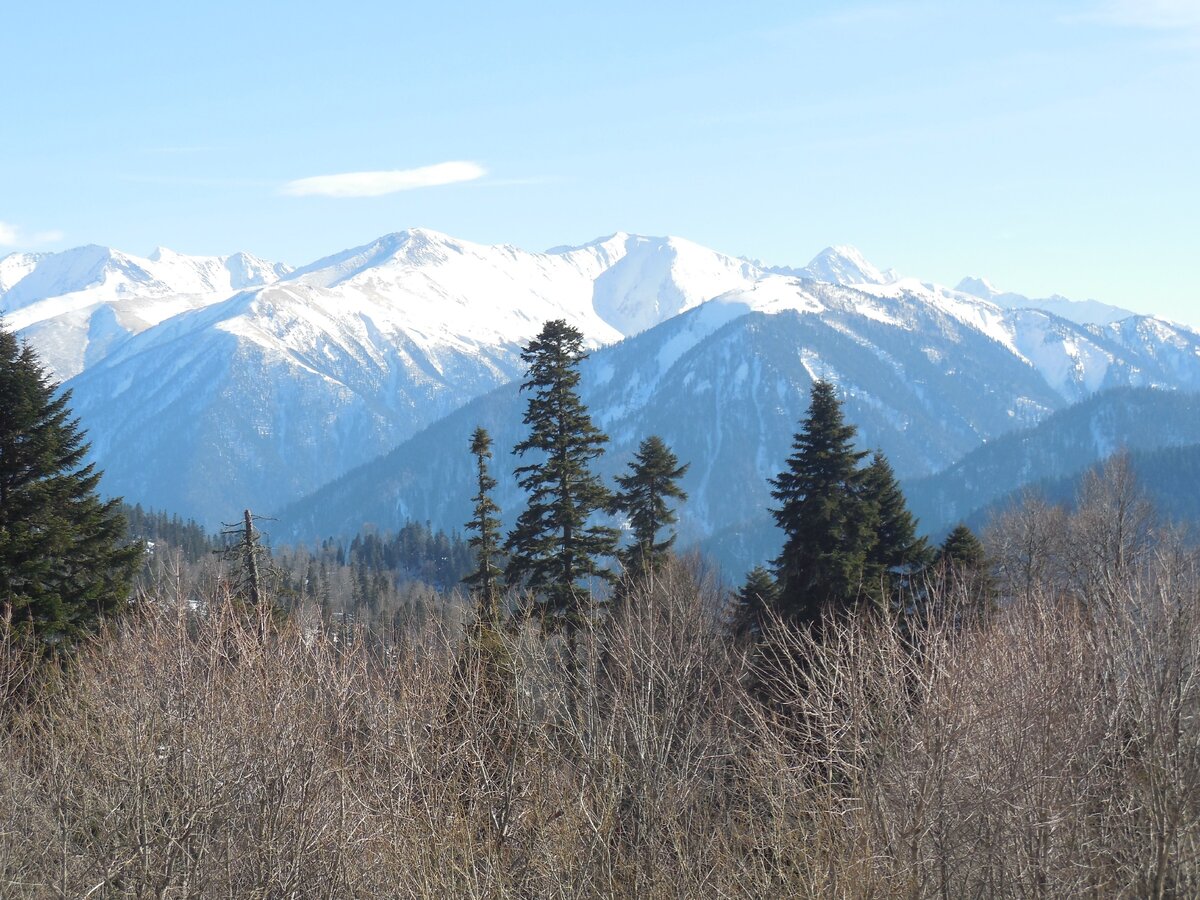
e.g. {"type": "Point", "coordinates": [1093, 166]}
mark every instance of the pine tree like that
{"type": "Point", "coordinates": [753, 602]}
{"type": "Point", "coordinates": [824, 517]}
{"type": "Point", "coordinates": [652, 480]}
{"type": "Point", "coordinates": [896, 549]}
{"type": "Point", "coordinates": [64, 562]}
{"type": "Point", "coordinates": [485, 579]}
{"type": "Point", "coordinates": [555, 547]}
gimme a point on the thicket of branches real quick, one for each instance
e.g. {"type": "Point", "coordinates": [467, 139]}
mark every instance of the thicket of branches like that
{"type": "Point", "coordinates": [1050, 748]}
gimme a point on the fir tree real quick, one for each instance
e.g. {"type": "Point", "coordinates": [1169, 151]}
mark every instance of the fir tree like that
{"type": "Point", "coordinates": [652, 480]}
{"type": "Point", "coordinates": [485, 579]}
{"type": "Point", "coordinates": [555, 547]}
{"type": "Point", "coordinates": [64, 562]}
{"type": "Point", "coordinates": [964, 574]}
{"type": "Point", "coordinates": [896, 550]}
{"type": "Point", "coordinates": [753, 602]}
{"type": "Point", "coordinates": [824, 517]}
{"type": "Point", "coordinates": [962, 548]}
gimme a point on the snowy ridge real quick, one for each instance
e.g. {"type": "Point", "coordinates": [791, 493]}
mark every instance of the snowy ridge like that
{"type": "Point", "coordinates": [382, 339]}
{"type": "Point", "coordinates": [843, 264]}
{"type": "Point", "coordinates": [640, 281]}
{"type": "Point", "coordinates": [1081, 312]}
{"type": "Point", "coordinates": [209, 384]}
{"type": "Point", "coordinates": [78, 303]}
{"type": "Point", "coordinates": [927, 374]}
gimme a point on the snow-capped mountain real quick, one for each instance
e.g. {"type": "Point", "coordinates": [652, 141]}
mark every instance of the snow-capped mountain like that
{"type": "Point", "coordinates": [926, 374]}
{"type": "Point", "coordinates": [265, 395]}
{"type": "Point", "coordinates": [1082, 312]}
{"type": "Point", "coordinates": [209, 384]}
{"type": "Point", "coordinates": [76, 305]}
{"type": "Point", "coordinates": [839, 265]}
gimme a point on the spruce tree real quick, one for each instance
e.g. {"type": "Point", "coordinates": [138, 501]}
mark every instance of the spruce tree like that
{"type": "Point", "coordinates": [824, 516]}
{"type": "Point", "coordinates": [652, 480]}
{"type": "Point", "coordinates": [964, 575]}
{"type": "Point", "coordinates": [753, 602]}
{"type": "Point", "coordinates": [896, 550]}
{"type": "Point", "coordinates": [555, 547]}
{"type": "Point", "coordinates": [962, 548]}
{"type": "Point", "coordinates": [64, 561]}
{"type": "Point", "coordinates": [485, 523]}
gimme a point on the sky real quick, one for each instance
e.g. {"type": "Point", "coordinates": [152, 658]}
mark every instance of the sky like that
{"type": "Point", "coordinates": [1050, 147]}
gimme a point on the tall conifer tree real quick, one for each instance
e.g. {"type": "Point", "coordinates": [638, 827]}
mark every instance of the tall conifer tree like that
{"type": "Point", "coordinates": [652, 480]}
{"type": "Point", "coordinates": [897, 551]}
{"type": "Point", "coordinates": [64, 561]}
{"type": "Point", "coordinates": [824, 517]}
{"type": "Point", "coordinates": [485, 524]}
{"type": "Point", "coordinates": [555, 547]}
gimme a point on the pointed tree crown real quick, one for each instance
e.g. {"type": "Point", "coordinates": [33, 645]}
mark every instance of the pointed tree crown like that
{"type": "Point", "coordinates": [556, 547]}
{"type": "Point", "coordinates": [652, 481]}
{"type": "Point", "coordinates": [64, 558]}
{"type": "Point", "coordinates": [485, 528]}
{"type": "Point", "coordinates": [825, 520]}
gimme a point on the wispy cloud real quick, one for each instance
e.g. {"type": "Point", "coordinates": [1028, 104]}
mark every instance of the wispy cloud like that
{"type": "Point", "coordinates": [13, 236]}
{"type": "Point", "coordinates": [376, 184]}
{"type": "Point", "coordinates": [1165, 15]}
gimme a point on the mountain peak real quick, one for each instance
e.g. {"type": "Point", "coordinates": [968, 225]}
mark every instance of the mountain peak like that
{"type": "Point", "coordinates": [978, 287]}
{"type": "Point", "coordinates": [844, 264]}
{"type": "Point", "coordinates": [1082, 312]}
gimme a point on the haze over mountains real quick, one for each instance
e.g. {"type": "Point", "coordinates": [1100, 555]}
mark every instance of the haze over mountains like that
{"type": "Point", "coordinates": [212, 383]}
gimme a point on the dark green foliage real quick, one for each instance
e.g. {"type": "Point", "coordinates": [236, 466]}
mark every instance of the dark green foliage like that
{"type": "Point", "coordinates": [897, 551]}
{"type": "Point", "coordinates": [848, 533]}
{"type": "Point", "coordinates": [753, 602]}
{"type": "Point", "coordinates": [556, 547]}
{"type": "Point", "coordinates": [964, 573]}
{"type": "Point", "coordinates": [163, 529]}
{"type": "Point", "coordinates": [415, 552]}
{"type": "Point", "coordinates": [485, 523]}
{"type": "Point", "coordinates": [652, 480]}
{"type": "Point", "coordinates": [963, 549]}
{"type": "Point", "coordinates": [823, 515]}
{"type": "Point", "coordinates": [64, 558]}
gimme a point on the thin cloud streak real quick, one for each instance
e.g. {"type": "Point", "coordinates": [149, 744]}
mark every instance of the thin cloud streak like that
{"type": "Point", "coordinates": [13, 236]}
{"type": "Point", "coordinates": [377, 184]}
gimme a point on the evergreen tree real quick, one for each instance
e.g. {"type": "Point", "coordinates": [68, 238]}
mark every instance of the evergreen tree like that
{"type": "Point", "coordinates": [962, 548]}
{"type": "Point", "coordinates": [964, 575]}
{"type": "Point", "coordinates": [64, 561]}
{"type": "Point", "coordinates": [652, 481]}
{"type": "Point", "coordinates": [753, 602]}
{"type": "Point", "coordinates": [896, 550]}
{"type": "Point", "coordinates": [485, 579]}
{"type": "Point", "coordinates": [555, 547]}
{"type": "Point", "coordinates": [824, 516]}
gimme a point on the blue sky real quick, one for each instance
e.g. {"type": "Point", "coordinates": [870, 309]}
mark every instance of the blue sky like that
{"type": "Point", "coordinates": [1047, 146]}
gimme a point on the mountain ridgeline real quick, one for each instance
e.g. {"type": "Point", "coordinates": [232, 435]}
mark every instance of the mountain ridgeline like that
{"type": "Point", "coordinates": [341, 393]}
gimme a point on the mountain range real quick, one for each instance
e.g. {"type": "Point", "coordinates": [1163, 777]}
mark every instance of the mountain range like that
{"type": "Point", "coordinates": [343, 391]}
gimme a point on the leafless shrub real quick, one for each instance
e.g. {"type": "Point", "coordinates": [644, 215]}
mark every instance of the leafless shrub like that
{"type": "Point", "coordinates": [1047, 751]}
